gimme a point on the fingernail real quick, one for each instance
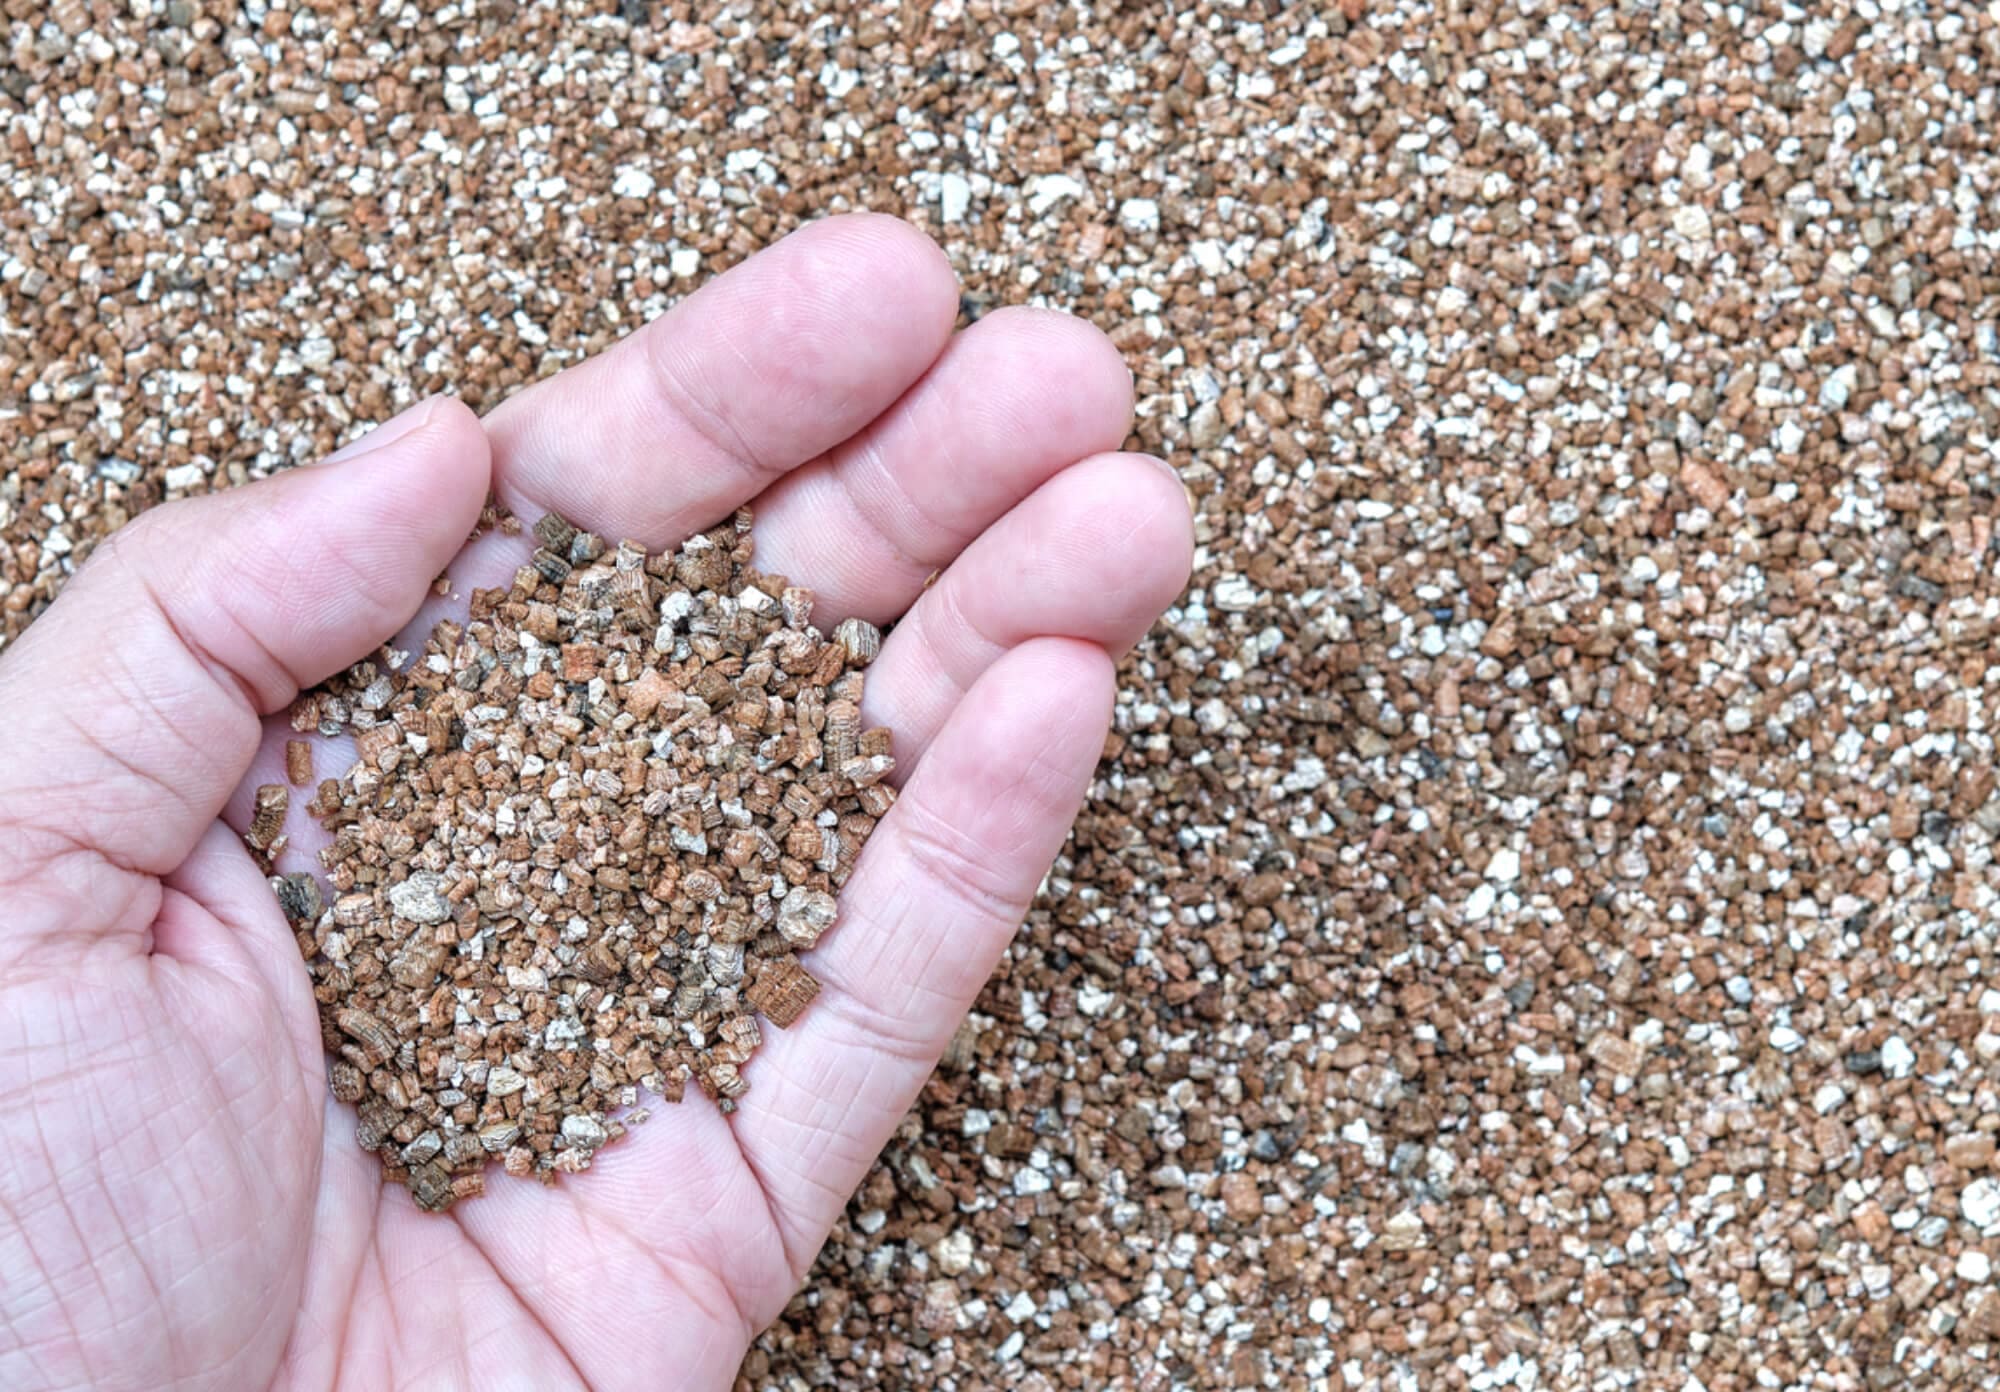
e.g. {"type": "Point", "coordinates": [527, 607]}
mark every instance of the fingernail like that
{"type": "Point", "coordinates": [384, 435]}
{"type": "Point", "coordinates": [1175, 475]}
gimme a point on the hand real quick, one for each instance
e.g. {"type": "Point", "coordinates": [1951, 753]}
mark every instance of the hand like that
{"type": "Point", "coordinates": [181, 1203]}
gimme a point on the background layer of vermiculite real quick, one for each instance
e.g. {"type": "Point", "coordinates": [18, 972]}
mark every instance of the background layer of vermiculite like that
{"type": "Point", "coordinates": [1537, 904]}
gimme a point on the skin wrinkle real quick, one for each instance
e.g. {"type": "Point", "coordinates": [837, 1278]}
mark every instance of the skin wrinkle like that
{"type": "Point", "coordinates": [491, 1325]}
{"type": "Point", "coordinates": [244, 693]}
{"type": "Point", "coordinates": [1121, 584]}
{"type": "Point", "coordinates": [946, 635]}
{"type": "Point", "coordinates": [763, 467]}
{"type": "Point", "coordinates": [899, 709]}
{"type": "Point", "coordinates": [420, 1287]}
{"type": "Point", "coordinates": [953, 659]}
{"type": "Point", "coordinates": [818, 1131]}
{"type": "Point", "coordinates": [865, 462]}
{"type": "Point", "coordinates": [739, 1314]}
{"type": "Point", "coordinates": [346, 1306]}
{"type": "Point", "coordinates": [520, 1299]}
{"type": "Point", "coordinates": [915, 566]}
{"type": "Point", "coordinates": [771, 1228]}
{"type": "Point", "coordinates": [107, 751]}
{"type": "Point", "coordinates": [708, 1342]}
{"type": "Point", "coordinates": [804, 535]}
{"type": "Point", "coordinates": [926, 839]}
{"type": "Point", "coordinates": [24, 861]}
{"type": "Point", "coordinates": [901, 1037]}
{"type": "Point", "coordinates": [17, 1225]}
{"type": "Point", "coordinates": [801, 1173]}
{"type": "Point", "coordinates": [65, 1078]}
{"type": "Point", "coordinates": [357, 569]}
{"type": "Point", "coordinates": [153, 1161]}
{"type": "Point", "coordinates": [158, 1158]}
{"type": "Point", "coordinates": [60, 1205]}
{"type": "Point", "coordinates": [796, 1237]}
{"type": "Point", "coordinates": [906, 909]}
{"type": "Point", "coordinates": [258, 696]}
{"type": "Point", "coordinates": [412, 1366]}
{"type": "Point", "coordinates": [188, 1215]}
{"type": "Point", "coordinates": [939, 443]}
{"type": "Point", "coordinates": [10, 1221]}
{"type": "Point", "coordinates": [1056, 421]}
{"type": "Point", "coordinates": [226, 959]}
{"type": "Point", "coordinates": [389, 1310]}
{"type": "Point", "coordinates": [801, 299]}
{"type": "Point", "coordinates": [689, 406]}
{"type": "Point", "coordinates": [365, 1253]}
{"type": "Point", "coordinates": [773, 1211]}
{"type": "Point", "coordinates": [87, 1079]}
{"type": "Point", "coordinates": [73, 849]}
{"type": "Point", "coordinates": [127, 693]}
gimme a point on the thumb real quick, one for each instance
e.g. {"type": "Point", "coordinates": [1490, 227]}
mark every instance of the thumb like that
{"type": "Point", "coordinates": [129, 711]}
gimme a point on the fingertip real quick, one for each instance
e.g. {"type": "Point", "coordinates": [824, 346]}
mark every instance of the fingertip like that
{"type": "Point", "coordinates": [1148, 482]}
{"type": "Point", "coordinates": [1083, 386]}
{"type": "Point", "coordinates": [212, 610]}
{"type": "Point", "coordinates": [463, 459]}
{"type": "Point", "coordinates": [1124, 518]}
{"type": "Point", "coordinates": [1095, 668]}
{"type": "Point", "coordinates": [1055, 686]}
{"type": "Point", "coordinates": [353, 545]}
{"type": "Point", "coordinates": [903, 250]}
{"type": "Point", "coordinates": [432, 479]}
{"type": "Point", "coordinates": [450, 440]}
{"type": "Point", "coordinates": [806, 342]}
{"type": "Point", "coordinates": [1169, 534]}
{"type": "Point", "coordinates": [1014, 759]}
{"type": "Point", "coordinates": [869, 273]}
{"type": "Point", "coordinates": [457, 422]}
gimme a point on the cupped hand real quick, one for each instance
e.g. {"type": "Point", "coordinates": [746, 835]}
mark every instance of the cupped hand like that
{"type": "Point", "coordinates": [181, 1202]}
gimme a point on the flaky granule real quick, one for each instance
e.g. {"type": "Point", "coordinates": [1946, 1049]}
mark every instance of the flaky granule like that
{"type": "Point", "coordinates": [585, 835]}
{"type": "Point", "coordinates": [267, 820]}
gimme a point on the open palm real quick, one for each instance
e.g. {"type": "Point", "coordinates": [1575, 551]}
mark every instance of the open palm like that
{"type": "Point", "coordinates": [181, 1204]}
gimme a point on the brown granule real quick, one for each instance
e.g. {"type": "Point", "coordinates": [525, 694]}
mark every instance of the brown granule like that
{"type": "Point", "coordinates": [298, 763]}
{"type": "Point", "coordinates": [585, 834]}
{"type": "Point", "coordinates": [781, 990]}
{"type": "Point", "coordinates": [267, 820]}
{"type": "Point", "coordinates": [1511, 352]}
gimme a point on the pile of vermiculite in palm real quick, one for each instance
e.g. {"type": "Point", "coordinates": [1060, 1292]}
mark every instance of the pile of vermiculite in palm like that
{"type": "Point", "coordinates": [584, 837]}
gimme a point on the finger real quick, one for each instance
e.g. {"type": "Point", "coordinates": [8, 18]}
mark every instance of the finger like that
{"type": "Point", "coordinates": [238, 933]}
{"type": "Point", "coordinates": [758, 371]}
{"type": "Point", "coordinates": [131, 709]}
{"type": "Point", "coordinates": [1015, 398]}
{"type": "Point", "coordinates": [1094, 554]}
{"type": "Point", "coordinates": [936, 896]}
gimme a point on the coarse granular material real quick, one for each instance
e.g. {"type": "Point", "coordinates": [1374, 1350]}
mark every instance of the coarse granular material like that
{"type": "Point", "coordinates": [585, 834]}
{"type": "Point", "coordinates": [1534, 919]}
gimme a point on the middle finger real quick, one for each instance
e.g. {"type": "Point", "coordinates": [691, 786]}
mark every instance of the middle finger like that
{"type": "Point", "coordinates": [1011, 402]}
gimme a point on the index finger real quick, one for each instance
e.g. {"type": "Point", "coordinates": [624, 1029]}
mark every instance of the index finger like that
{"type": "Point", "coordinates": [759, 371]}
